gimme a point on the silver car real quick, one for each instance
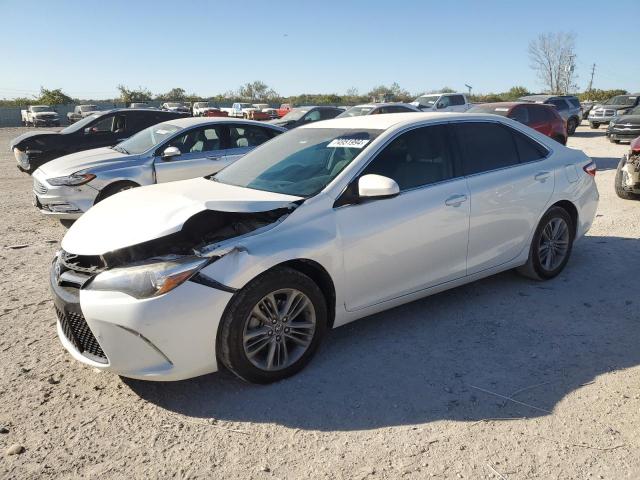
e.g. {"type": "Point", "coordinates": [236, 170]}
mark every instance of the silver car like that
{"type": "Point", "coordinates": [175, 150]}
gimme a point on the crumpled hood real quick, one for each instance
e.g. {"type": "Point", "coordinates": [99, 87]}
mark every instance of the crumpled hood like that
{"type": "Point", "coordinates": [74, 162]}
{"type": "Point", "coordinates": [30, 136]}
{"type": "Point", "coordinates": [146, 213]}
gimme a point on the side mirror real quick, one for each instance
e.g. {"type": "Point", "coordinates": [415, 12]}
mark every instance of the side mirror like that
{"type": "Point", "coordinates": [440, 105]}
{"type": "Point", "coordinates": [89, 130]}
{"type": "Point", "coordinates": [170, 152]}
{"type": "Point", "coordinates": [373, 186]}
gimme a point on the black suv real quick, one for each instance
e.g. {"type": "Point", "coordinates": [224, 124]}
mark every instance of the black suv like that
{"type": "Point", "coordinates": [102, 129]}
{"type": "Point", "coordinates": [568, 107]}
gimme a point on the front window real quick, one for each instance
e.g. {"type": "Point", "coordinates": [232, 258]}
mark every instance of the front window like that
{"type": "Point", "coordinates": [147, 138]}
{"type": "Point", "coordinates": [301, 162]}
{"type": "Point", "coordinates": [356, 112]}
{"type": "Point", "coordinates": [624, 100]}
{"type": "Point", "coordinates": [79, 125]}
{"type": "Point", "coordinates": [89, 108]}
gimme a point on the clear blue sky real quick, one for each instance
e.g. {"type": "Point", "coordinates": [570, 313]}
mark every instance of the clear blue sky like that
{"type": "Point", "coordinates": [207, 47]}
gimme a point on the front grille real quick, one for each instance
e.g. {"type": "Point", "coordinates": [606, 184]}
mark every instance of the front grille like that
{"type": "Point", "coordinates": [39, 187]}
{"type": "Point", "coordinates": [75, 328]}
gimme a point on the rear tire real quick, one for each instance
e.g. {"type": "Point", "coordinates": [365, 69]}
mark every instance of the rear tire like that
{"type": "Point", "coordinates": [551, 245]}
{"type": "Point", "coordinates": [268, 346]}
{"type": "Point", "coordinates": [612, 140]}
{"type": "Point", "coordinates": [572, 124]}
{"type": "Point", "coordinates": [618, 182]}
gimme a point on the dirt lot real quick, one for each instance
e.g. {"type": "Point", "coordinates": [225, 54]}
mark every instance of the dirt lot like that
{"type": "Point", "coordinates": [416, 392]}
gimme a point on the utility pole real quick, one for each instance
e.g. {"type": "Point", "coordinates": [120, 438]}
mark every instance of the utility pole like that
{"type": "Point", "coordinates": [593, 70]}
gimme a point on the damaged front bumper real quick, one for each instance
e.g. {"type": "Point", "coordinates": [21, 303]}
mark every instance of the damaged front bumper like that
{"type": "Point", "coordinates": [631, 173]}
{"type": "Point", "coordinates": [169, 337]}
{"type": "Point", "coordinates": [64, 202]}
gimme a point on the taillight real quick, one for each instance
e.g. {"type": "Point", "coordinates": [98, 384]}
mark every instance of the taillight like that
{"type": "Point", "coordinates": [590, 169]}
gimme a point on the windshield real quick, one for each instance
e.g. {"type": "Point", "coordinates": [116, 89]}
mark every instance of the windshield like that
{"type": "Point", "coordinates": [147, 139]}
{"type": "Point", "coordinates": [427, 99]}
{"type": "Point", "coordinates": [293, 115]}
{"type": "Point", "coordinates": [88, 108]}
{"type": "Point", "coordinates": [356, 112]}
{"type": "Point", "coordinates": [496, 110]}
{"type": "Point", "coordinates": [622, 100]}
{"type": "Point", "coordinates": [245, 105]}
{"type": "Point", "coordinates": [80, 124]}
{"type": "Point", "coordinates": [300, 162]}
{"type": "Point", "coordinates": [173, 104]}
{"type": "Point", "coordinates": [41, 109]}
{"type": "Point", "coordinates": [201, 104]}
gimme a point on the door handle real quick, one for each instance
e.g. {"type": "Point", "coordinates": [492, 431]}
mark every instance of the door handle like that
{"type": "Point", "coordinates": [213, 158]}
{"type": "Point", "coordinates": [542, 176]}
{"type": "Point", "coordinates": [455, 200]}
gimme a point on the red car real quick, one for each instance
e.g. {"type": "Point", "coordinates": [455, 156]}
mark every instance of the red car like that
{"type": "Point", "coordinates": [284, 109]}
{"type": "Point", "coordinates": [215, 112]}
{"type": "Point", "coordinates": [541, 117]}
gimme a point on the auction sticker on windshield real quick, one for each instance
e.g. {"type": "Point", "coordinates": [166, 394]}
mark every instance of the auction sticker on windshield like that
{"type": "Point", "coordinates": [346, 142]}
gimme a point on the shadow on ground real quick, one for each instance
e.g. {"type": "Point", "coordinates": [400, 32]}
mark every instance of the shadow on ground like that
{"type": "Point", "coordinates": [589, 133]}
{"type": "Point", "coordinates": [421, 362]}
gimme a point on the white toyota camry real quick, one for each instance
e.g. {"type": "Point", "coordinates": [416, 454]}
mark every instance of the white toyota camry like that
{"type": "Point", "coordinates": [318, 227]}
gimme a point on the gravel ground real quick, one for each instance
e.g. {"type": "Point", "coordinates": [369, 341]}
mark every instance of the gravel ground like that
{"type": "Point", "coordinates": [505, 378]}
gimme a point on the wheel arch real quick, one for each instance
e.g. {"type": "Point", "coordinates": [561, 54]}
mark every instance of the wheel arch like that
{"type": "Point", "coordinates": [571, 209]}
{"type": "Point", "coordinates": [321, 277]}
{"type": "Point", "coordinates": [105, 191]}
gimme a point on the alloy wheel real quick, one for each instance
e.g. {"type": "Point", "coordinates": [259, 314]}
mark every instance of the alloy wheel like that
{"type": "Point", "coordinates": [279, 329]}
{"type": "Point", "coordinates": [554, 244]}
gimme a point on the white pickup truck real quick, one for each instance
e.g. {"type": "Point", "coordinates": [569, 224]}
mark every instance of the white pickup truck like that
{"type": "Point", "coordinates": [37, 115]}
{"type": "Point", "coordinates": [81, 111]}
{"type": "Point", "coordinates": [442, 102]}
{"type": "Point", "coordinates": [239, 109]}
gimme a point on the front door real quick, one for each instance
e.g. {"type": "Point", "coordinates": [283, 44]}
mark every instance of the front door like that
{"type": "Point", "coordinates": [201, 154]}
{"type": "Point", "coordinates": [393, 247]}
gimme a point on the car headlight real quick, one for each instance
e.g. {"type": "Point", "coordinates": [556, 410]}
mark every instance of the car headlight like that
{"type": "Point", "coordinates": [148, 279]}
{"type": "Point", "coordinates": [78, 178]}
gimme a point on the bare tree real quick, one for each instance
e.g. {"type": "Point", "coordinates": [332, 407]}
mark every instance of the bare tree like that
{"type": "Point", "coordinates": [553, 56]}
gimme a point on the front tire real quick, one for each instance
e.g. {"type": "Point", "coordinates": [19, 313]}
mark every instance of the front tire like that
{"type": "Point", "coordinates": [272, 327]}
{"type": "Point", "coordinates": [551, 245]}
{"type": "Point", "coordinates": [594, 125]}
{"type": "Point", "coordinates": [572, 124]}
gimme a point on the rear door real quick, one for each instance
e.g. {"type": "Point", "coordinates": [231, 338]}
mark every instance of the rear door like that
{"type": "Point", "coordinates": [511, 179]}
{"type": "Point", "coordinates": [202, 154]}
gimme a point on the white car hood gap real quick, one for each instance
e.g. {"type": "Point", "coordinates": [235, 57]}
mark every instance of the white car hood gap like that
{"type": "Point", "coordinates": [147, 213]}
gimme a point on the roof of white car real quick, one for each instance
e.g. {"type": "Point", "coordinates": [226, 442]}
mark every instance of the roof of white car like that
{"type": "Point", "coordinates": [388, 120]}
{"type": "Point", "coordinates": [193, 121]}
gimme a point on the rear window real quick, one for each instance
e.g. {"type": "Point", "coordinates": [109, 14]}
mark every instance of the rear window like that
{"type": "Point", "coordinates": [488, 108]}
{"type": "Point", "coordinates": [486, 146]}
